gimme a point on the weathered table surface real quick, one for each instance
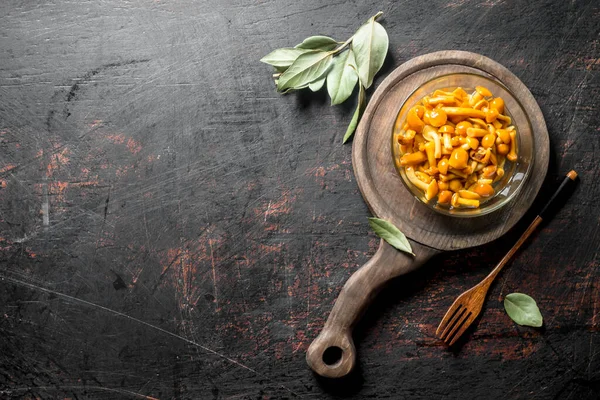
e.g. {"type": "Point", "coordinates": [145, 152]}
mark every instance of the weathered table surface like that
{"type": "Point", "coordinates": [170, 227]}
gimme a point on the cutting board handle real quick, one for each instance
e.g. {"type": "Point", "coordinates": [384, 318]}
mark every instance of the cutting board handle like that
{"type": "Point", "coordinates": [332, 354]}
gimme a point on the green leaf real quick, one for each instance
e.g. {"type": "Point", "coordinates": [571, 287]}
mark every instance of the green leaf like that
{"type": "Point", "coordinates": [360, 107]}
{"type": "Point", "coordinates": [324, 43]}
{"type": "Point", "coordinates": [284, 57]}
{"type": "Point", "coordinates": [306, 69]}
{"type": "Point", "coordinates": [342, 78]}
{"type": "Point", "coordinates": [388, 232]}
{"type": "Point", "coordinates": [523, 310]}
{"type": "Point", "coordinates": [318, 84]}
{"type": "Point", "coordinates": [370, 46]}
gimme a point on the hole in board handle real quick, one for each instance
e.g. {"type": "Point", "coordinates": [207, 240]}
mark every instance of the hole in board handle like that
{"type": "Point", "coordinates": [332, 356]}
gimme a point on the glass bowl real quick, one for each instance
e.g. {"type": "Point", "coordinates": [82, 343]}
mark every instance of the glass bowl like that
{"type": "Point", "coordinates": [516, 173]}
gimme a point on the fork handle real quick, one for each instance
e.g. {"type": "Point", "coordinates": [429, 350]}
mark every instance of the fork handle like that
{"type": "Point", "coordinates": [567, 184]}
{"type": "Point", "coordinates": [332, 354]}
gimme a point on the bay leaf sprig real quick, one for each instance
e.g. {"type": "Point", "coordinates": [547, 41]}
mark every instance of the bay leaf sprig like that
{"type": "Point", "coordinates": [341, 65]}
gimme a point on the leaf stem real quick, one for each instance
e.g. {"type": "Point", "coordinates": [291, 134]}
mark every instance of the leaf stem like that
{"type": "Point", "coordinates": [343, 46]}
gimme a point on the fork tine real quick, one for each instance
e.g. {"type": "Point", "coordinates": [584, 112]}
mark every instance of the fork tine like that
{"type": "Point", "coordinates": [450, 314]}
{"type": "Point", "coordinates": [452, 331]}
{"type": "Point", "coordinates": [453, 323]}
{"type": "Point", "coordinates": [459, 328]}
{"type": "Point", "coordinates": [465, 325]}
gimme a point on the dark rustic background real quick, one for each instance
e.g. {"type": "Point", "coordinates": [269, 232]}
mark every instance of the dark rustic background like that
{"type": "Point", "coordinates": [170, 227]}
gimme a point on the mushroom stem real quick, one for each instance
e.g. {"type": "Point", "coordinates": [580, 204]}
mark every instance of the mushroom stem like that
{"type": "Point", "coordinates": [463, 112]}
{"type": "Point", "coordinates": [512, 154]}
{"type": "Point", "coordinates": [410, 173]}
{"type": "Point", "coordinates": [460, 202]}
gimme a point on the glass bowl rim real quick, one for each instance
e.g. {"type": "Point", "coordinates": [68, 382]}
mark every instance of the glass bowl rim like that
{"type": "Point", "coordinates": [470, 212]}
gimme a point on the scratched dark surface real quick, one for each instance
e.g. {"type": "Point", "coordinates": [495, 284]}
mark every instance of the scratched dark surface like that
{"type": "Point", "coordinates": [172, 228]}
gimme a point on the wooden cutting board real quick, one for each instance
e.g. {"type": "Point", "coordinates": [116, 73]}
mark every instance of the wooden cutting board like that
{"type": "Point", "coordinates": [332, 354]}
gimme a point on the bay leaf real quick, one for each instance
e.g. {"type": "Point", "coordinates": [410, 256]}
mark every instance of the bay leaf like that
{"type": "Point", "coordinates": [388, 232]}
{"type": "Point", "coordinates": [318, 84]}
{"type": "Point", "coordinates": [342, 77]}
{"type": "Point", "coordinates": [284, 57]}
{"type": "Point", "coordinates": [360, 107]}
{"type": "Point", "coordinates": [370, 45]}
{"type": "Point", "coordinates": [307, 68]}
{"type": "Point", "coordinates": [523, 309]}
{"type": "Point", "coordinates": [324, 43]}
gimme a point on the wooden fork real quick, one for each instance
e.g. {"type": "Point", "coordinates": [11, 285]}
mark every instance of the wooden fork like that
{"type": "Point", "coordinates": [467, 306]}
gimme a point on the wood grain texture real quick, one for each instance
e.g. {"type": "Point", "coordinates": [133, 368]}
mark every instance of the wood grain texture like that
{"type": "Point", "coordinates": [173, 228]}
